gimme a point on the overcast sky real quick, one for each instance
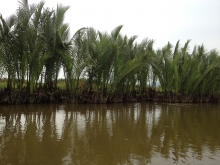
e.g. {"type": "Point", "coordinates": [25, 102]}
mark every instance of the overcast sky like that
{"type": "Point", "coordinates": [161, 20]}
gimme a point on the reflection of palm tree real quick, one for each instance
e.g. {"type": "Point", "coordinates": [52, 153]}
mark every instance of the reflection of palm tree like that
{"type": "Point", "coordinates": [108, 134]}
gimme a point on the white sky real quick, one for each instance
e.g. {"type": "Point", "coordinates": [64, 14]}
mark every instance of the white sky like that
{"type": "Point", "coordinates": [161, 20]}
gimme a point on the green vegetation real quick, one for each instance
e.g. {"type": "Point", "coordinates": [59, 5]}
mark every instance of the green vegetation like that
{"type": "Point", "coordinates": [35, 44]}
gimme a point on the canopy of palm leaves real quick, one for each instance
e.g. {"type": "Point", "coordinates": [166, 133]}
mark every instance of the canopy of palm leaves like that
{"type": "Point", "coordinates": [35, 44]}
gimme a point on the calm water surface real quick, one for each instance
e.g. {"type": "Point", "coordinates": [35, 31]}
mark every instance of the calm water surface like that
{"type": "Point", "coordinates": [134, 133]}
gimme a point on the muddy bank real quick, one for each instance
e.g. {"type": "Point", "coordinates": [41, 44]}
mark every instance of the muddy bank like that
{"type": "Point", "coordinates": [97, 97]}
{"type": "Point", "coordinates": [14, 96]}
{"type": "Point", "coordinates": [83, 96]}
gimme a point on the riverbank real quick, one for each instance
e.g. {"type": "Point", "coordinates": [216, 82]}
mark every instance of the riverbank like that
{"type": "Point", "coordinates": [57, 95]}
{"type": "Point", "coordinates": [14, 96]}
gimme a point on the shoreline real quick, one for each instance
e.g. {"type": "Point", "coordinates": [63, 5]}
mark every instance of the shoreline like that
{"type": "Point", "coordinates": [56, 95]}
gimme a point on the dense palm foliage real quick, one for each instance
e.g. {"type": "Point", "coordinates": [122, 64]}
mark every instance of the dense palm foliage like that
{"type": "Point", "coordinates": [32, 43]}
{"type": "Point", "coordinates": [35, 44]}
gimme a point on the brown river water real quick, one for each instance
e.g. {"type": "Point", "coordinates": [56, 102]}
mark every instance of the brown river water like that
{"type": "Point", "coordinates": [115, 134]}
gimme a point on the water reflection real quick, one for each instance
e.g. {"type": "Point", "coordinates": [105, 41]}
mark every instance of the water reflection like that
{"type": "Point", "coordinates": [134, 133]}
